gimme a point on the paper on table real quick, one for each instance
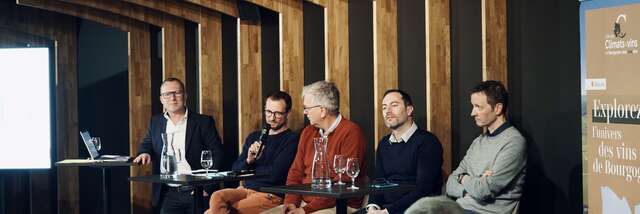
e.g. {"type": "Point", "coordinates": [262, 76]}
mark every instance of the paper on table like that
{"type": "Point", "coordinates": [200, 171]}
{"type": "Point", "coordinates": [67, 161]}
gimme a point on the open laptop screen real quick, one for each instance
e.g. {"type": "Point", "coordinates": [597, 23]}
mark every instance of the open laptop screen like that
{"type": "Point", "coordinates": [86, 137]}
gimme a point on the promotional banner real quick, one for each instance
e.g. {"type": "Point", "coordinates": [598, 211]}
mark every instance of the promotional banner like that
{"type": "Point", "coordinates": [610, 57]}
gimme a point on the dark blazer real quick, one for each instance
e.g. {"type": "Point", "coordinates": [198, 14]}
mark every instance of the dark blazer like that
{"type": "Point", "coordinates": [201, 134]}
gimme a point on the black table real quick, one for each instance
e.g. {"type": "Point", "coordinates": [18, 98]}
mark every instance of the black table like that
{"type": "Point", "coordinates": [339, 192]}
{"type": "Point", "coordinates": [198, 182]}
{"type": "Point", "coordinates": [104, 165]}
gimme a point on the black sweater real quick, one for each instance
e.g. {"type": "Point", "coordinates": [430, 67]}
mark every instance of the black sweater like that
{"type": "Point", "coordinates": [416, 162]}
{"type": "Point", "coordinates": [275, 160]}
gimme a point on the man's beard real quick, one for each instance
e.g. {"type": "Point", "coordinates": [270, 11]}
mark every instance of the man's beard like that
{"type": "Point", "coordinates": [277, 127]}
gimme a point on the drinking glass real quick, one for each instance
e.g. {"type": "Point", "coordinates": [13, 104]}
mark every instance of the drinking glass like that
{"type": "Point", "coordinates": [339, 166]}
{"type": "Point", "coordinates": [96, 142]}
{"type": "Point", "coordinates": [206, 160]}
{"type": "Point", "coordinates": [353, 169]}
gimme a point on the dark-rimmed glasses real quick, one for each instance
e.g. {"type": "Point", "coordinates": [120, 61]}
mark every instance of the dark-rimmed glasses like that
{"type": "Point", "coordinates": [277, 114]}
{"type": "Point", "coordinates": [170, 94]}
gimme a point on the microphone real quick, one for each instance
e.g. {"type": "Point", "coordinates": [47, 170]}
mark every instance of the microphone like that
{"type": "Point", "coordinates": [263, 138]}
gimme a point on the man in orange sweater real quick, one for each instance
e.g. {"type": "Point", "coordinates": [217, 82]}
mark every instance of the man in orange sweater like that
{"type": "Point", "coordinates": [321, 103]}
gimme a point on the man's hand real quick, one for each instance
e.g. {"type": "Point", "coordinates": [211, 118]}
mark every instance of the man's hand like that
{"type": "Point", "coordinates": [487, 173]}
{"type": "Point", "coordinates": [253, 151]}
{"type": "Point", "coordinates": [286, 208]}
{"type": "Point", "coordinates": [143, 159]}
{"type": "Point", "coordinates": [296, 211]}
{"type": "Point", "coordinates": [461, 178]}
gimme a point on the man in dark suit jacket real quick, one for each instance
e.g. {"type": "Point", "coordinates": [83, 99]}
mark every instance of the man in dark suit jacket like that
{"type": "Point", "coordinates": [192, 133]}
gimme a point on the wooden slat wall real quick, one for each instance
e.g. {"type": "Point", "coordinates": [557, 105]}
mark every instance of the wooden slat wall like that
{"type": "Point", "coordinates": [292, 58]}
{"type": "Point", "coordinates": [173, 63]}
{"type": "Point", "coordinates": [438, 53]}
{"type": "Point", "coordinates": [173, 56]}
{"type": "Point", "coordinates": [337, 49]}
{"type": "Point", "coordinates": [385, 57]}
{"type": "Point", "coordinates": [249, 79]}
{"type": "Point", "coordinates": [336, 46]}
{"type": "Point", "coordinates": [494, 40]}
{"type": "Point", "coordinates": [228, 7]}
{"type": "Point", "coordinates": [209, 51]}
{"type": "Point", "coordinates": [291, 53]}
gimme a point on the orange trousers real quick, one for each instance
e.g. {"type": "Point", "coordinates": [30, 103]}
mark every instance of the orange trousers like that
{"type": "Point", "coordinates": [241, 200]}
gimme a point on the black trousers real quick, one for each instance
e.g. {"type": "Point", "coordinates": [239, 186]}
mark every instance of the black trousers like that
{"type": "Point", "coordinates": [177, 201]}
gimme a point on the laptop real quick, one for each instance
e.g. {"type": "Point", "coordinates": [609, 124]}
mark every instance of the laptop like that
{"type": "Point", "coordinates": [93, 151]}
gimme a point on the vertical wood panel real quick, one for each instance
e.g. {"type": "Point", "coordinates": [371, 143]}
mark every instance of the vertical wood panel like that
{"type": "Point", "coordinates": [210, 52]}
{"type": "Point", "coordinates": [438, 81]}
{"type": "Point", "coordinates": [385, 57]}
{"type": "Point", "coordinates": [173, 56]}
{"type": "Point", "coordinates": [249, 80]}
{"type": "Point", "coordinates": [291, 53]}
{"type": "Point", "coordinates": [66, 104]}
{"type": "Point", "coordinates": [139, 111]}
{"type": "Point", "coordinates": [337, 49]}
{"type": "Point", "coordinates": [292, 65]}
{"type": "Point", "coordinates": [494, 40]}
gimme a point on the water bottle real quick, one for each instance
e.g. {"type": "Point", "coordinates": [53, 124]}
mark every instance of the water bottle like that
{"type": "Point", "coordinates": [168, 163]}
{"type": "Point", "coordinates": [320, 177]}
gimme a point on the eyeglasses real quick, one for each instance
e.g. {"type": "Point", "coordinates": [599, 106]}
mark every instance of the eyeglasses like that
{"type": "Point", "coordinates": [307, 109]}
{"type": "Point", "coordinates": [277, 114]}
{"type": "Point", "coordinates": [176, 94]}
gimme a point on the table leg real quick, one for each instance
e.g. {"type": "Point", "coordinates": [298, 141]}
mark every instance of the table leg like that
{"type": "Point", "coordinates": [105, 190]}
{"type": "Point", "coordinates": [197, 199]}
{"type": "Point", "coordinates": [341, 206]}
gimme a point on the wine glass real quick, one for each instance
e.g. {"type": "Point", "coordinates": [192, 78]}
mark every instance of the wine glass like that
{"type": "Point", "coordinates": [206, 160]}
{"type": "Point", "coordinates": [339, 166]}
{"type": "Point", "coordinates": [178, 155]}
{"type": "Point", "coordinates": [96, 142]}
{"type": "Point", "coordinates": [353, 169]}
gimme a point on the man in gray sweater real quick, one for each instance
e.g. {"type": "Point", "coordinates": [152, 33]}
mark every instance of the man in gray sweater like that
{"type": "Point", "coordinates": [490, 177]}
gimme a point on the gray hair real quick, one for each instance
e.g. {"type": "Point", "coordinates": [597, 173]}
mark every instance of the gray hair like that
{"type": "Point", "coordinates": [438, 204]}
{"type": "Point", "coordinates": [323, 93]}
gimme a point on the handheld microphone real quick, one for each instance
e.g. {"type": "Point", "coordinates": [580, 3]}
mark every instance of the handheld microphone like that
{"type": "Point", "coordinates": [263, 138]}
